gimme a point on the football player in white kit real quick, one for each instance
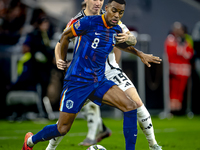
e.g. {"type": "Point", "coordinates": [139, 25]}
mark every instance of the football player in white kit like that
{"type": "Point", "coordinates": [96, 129]}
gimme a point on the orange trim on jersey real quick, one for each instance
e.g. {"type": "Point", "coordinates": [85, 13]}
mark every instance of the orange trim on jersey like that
{"type": "Point", "coordinates": [73, 31]}
{"type": "Point", "coordinates": [104, 21]}
{"type": "Point", "coordinates": [71, 22]}
{"type": "Point", "coordinates": [79, 41]}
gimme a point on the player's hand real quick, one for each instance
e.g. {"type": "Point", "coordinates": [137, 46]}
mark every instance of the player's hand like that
{"type": "Point", "coordinates": [61, 64]}
{"type": "Point", "coordinates": [121, 37]}
{"type": "Point", "coordinates": [149, 58]}
{"type": "Point", "coordinates": [129, 39]}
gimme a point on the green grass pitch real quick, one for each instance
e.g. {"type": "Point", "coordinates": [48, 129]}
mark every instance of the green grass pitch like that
{"type": "Point", "coordinates": [178, 133]}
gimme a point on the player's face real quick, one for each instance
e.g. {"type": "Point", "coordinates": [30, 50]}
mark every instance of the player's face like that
{"type": "Point", "coordinates": [94, 6]}
{"type": "Point", "coordinates": [114, 12]}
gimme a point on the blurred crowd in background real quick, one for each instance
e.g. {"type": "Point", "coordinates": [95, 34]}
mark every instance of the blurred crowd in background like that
{"type": "Point", "coordinates": [27, 63]}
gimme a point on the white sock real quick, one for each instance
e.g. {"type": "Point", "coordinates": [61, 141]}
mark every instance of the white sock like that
{"type": "Point", "coordinates": [144, 120]}
{"type": "Point", "coordinates": [100, 125]}
{"type": "Point", "coordinates": [93, 117]}
{"type": "Point", "coordinates": [30, 142]}
{"type": "Point", "coordinates": [53, 143]}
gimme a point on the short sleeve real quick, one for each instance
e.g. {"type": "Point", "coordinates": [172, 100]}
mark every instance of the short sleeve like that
{"type": "Point", "coordinates": [70, 23]}
{"type": "Point", "coordinates": [81, 26]}
{"type": "Point", "coordinates": [123, 26]}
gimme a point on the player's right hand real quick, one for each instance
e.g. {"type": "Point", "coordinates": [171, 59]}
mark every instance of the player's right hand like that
{"type": "Point", "coordinates": [149, 58]}
{"type": "Point", "coordinates": [61, 64]}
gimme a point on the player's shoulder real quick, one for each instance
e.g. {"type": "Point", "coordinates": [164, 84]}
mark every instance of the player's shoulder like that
{"type": "Point", "coordinates": [93, 19]}
{"type": "Point", "coordinates": [123, 26]}
{"type": "Point", "coordinates": [80, 15]}
{"type": "Point", "coordinates": [118, 28]}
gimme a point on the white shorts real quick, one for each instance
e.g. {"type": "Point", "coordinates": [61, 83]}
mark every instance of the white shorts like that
{"type": "Point", "coordinates": [120, 78]}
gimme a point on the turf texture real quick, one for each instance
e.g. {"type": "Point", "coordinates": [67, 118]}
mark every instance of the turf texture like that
{"type": "Point", "coordinates": [178, 133]}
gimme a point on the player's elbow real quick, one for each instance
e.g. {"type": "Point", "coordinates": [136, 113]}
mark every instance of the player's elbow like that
{"type": "Point", "coordinates": [64, 38]}
{"type": "Point", "coordinates": [132, 41]}
{"type": "Point", "coordinates": [135, 41]}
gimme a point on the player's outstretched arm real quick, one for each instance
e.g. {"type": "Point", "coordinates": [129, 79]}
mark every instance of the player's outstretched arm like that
{"type": "Point", "coordinates": [145, 58]}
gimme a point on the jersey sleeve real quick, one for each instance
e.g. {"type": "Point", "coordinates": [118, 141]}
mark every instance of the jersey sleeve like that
{"type": "Point", "coordinates": [81, 26]}
{"type": "Point", "coordinates": [123, 26]}
{"type": "Point", "coordinates": [70, 23]}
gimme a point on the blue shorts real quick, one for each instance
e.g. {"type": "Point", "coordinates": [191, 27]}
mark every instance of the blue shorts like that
{"type": "Point", "coordinates": [75, 94]}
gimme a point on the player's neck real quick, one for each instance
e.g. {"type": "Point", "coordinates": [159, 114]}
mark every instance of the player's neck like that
{"type": "Point", "coordinates": [88, 13]}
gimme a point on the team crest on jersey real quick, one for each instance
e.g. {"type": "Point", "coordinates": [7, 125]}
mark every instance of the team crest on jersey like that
{"type": "Point", "coordinates": [69, 104]}
{"type": "Point", "coordinates": [77, 25]}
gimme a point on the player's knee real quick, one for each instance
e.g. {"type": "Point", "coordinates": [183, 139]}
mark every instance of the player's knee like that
{"type": "Point", "coordinates": [131, 105]}
{"type": "Point", "coordinates": [63, 129]}
{"type": "Point", "coordinates": [139, 104]}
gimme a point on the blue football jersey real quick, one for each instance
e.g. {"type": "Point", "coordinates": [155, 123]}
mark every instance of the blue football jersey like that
{"type": "Point", "coordinates": [95, 41]}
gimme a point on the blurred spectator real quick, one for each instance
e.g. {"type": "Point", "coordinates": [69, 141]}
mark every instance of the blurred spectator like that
{"type": "Point", "coordinates": [2, 8]}
{"type": "Point", "coordinates": [37, 44]}
{"type": "Point", "coordinates": [37, 60]}
{"type": "Point", "coordinates": [12, 21]}
{"type": "Point", "coordinates": [35, 66]}
{"type": "Point", "coordinates": [179, 50]}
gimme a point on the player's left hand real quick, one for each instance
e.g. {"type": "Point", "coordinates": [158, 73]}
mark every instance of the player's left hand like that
{"type": "Point", "coordinates": [149, 58]}
{"type": "Point", "coordinates": [121, 37]}
{"type": "Point", "coordinates": [61, 64]}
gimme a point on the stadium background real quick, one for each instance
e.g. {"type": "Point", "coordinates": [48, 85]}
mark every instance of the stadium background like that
{"type": "Point", "coordinates": [151, 19]}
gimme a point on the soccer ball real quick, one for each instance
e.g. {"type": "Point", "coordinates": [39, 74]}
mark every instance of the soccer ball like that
{"type": "Point", "coordinates": [96, 147]}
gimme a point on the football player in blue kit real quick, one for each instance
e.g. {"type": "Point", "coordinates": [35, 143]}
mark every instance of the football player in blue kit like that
{"type": "Point", "coordinates": [85, 76]}
{"type": "Point", "coordinates": [97, 130]}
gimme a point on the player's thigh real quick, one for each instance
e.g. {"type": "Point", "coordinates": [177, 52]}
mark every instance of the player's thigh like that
{"type": "Point", "coordinates": [133, 94]}
{"type": "Point", "coordinates": [65, 122]}
{"type": "Point", "coordinates": [125, 84]}
{"type": "Point", "coordinates": [117, 98]}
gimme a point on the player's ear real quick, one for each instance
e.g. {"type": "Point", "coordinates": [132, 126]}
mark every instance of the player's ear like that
{"type": "Point", "coordinates": [106, 8]}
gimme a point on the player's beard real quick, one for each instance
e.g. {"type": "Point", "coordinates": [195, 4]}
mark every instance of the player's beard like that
{"type": "Point", "coordinates": [109, 23]}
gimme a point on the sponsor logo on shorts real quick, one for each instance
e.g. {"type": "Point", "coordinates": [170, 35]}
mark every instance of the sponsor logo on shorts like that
{"type": "Point", "coordinates": [127, 84]}
{"type": "Point", "coordinates": [69, 104]}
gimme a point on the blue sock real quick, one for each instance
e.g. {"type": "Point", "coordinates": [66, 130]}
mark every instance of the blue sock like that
{"type": "Point", "coordinates": [47, 133]}
{"type": "Point", "coordinates": [130, 129]}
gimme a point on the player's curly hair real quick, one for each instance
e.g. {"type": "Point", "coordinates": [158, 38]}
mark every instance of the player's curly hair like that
{"type": "Point", "coordinates": [118, 1]}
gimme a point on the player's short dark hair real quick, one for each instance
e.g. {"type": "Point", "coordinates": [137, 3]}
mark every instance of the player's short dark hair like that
{"type": "Point", "coordinates": [83, 4]}
{"type": "Point", "coordinates": [118, 1]}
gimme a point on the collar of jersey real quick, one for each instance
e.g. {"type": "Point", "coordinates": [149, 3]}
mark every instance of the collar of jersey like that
{"type": "Point", "coordinates": [104, 21]}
